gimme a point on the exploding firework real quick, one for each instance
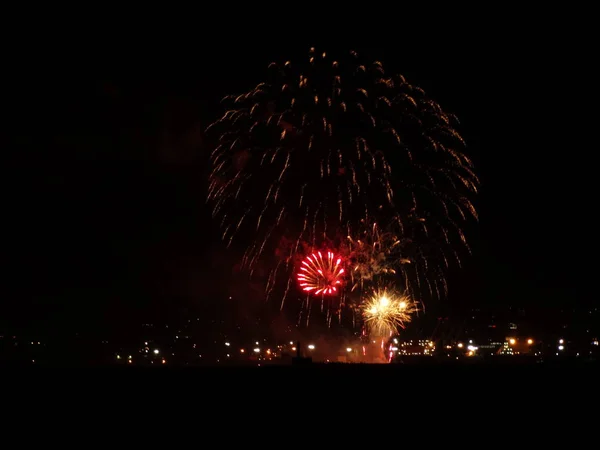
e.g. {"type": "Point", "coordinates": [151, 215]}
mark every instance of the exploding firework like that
{"type": "Point", "coordinates": [385, 312]}
{"type": "Point", "coordinates": [320, 275]}
{"type": "Point", "coordinates": [311, 152]}
{"type": "Point", "coordinates": [373, 253]}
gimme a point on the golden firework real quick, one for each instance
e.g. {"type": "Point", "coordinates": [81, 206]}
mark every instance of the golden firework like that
{"type": "Point", "coordinates": [385, 312]}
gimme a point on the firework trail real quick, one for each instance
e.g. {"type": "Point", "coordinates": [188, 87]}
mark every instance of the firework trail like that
{"type": "Point", "coordinates": [327, 144]}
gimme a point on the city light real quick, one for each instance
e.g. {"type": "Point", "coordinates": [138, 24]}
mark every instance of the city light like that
{"type": "Point", "coordinates": [183, 345]}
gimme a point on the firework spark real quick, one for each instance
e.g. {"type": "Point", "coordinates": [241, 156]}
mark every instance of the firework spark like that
{"type": "Point", "coordinates": [320, 275]}
{"type": "Point", "coordinates": [385, 312]}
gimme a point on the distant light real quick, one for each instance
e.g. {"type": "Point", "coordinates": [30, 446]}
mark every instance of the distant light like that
{"type": "Point", "coordinates": [561, 347]}
{"type": "Point", "coordinates": [530, 341]}
{"type": "Point", "coordinates": [156, 351]}
{"type": "Point", "coordinates": [242, 350]}
{"type": "Point", "coordinates": [291, 343]}
{"type": "Point", "coordinates": [561, 341]}
{"type": "Point", "coordinates": [294, 348]}
{"type": "Point", "coordinates": [348, 349]}
{"type": "Point", "coordinates": [118, 356]}
{"type": "Point", "coordinates": [460, 345]}
{"type": "Point", "coordinates": [512, 341]}
{"type": "Point", "coordinates": [129, 357]}
{"type": "Point", "coordinates": [395, 341]}
{"type": "Point", "coordinates": [256, 342]}
{"type": "Point", "coordinates": [145, 343]}
{"type": "Point", "coordinates": [257, 350]}
{"type": "Point", "coordinates": [164, 361]}
{"type": "Point", "coordinates": [311, 347]}
{"type": "Point", "coordinates": [227, 344]}
{"type": "Point", "coordinates": [395, 349]}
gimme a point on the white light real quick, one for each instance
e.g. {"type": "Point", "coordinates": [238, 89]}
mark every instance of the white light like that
{"type": "Point", "coordinates": [561, 347]}
{"type": "Point", "coordinates": [227, 344]}
{"type": "Point", "coordinates": [348, 349]}
{"type": "Point", "coordinates": [311, 347]}
{"type": "Point", "coordinates": [561, 341]}
{"type": "Point", "coordinates": [257, 350]}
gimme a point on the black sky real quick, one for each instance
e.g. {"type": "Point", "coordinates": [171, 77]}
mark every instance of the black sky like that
{"type": "Point", "coordinates": [104, 216]}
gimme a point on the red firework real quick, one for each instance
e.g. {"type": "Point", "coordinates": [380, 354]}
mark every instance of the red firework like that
{"type": "Point", "coordinates": [320, 274]}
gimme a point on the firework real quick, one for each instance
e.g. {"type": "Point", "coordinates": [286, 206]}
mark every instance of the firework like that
{"type": "Point", "coordinates": [385, 312]}
{"type": "Point", "coordinates": [312, 151]}
{"type": "Point", "coordinates": [321, 275]}
{"type": "Point", "coordinates": [373, 253]}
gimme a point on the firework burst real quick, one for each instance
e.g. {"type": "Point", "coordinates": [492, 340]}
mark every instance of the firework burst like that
{"type": "Point", "coordinates": [385, 312]}
{"type": "Point", "coordinates": [311, 151]}
{"type": "Point", "coordinates": [321, 274]}
{"type": "Point", "coordinates": [372, 253]}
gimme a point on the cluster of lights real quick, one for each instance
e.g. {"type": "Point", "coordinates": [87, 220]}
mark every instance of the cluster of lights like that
{"type": "Point", "coordinates": [511, 346]}
{"type": "Point", "coordinates": [412, 348]}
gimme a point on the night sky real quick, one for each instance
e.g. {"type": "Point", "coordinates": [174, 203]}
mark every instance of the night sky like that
{"type": "Point", "coordinates": [104, 217]}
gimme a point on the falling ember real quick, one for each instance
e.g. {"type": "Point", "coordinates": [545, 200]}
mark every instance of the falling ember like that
{"type": "Point", "coordinates": [321, 273]}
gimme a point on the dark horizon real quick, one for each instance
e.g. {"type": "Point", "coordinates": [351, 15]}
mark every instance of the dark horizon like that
{"type": "Point", "coordinates": [105, 203]}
